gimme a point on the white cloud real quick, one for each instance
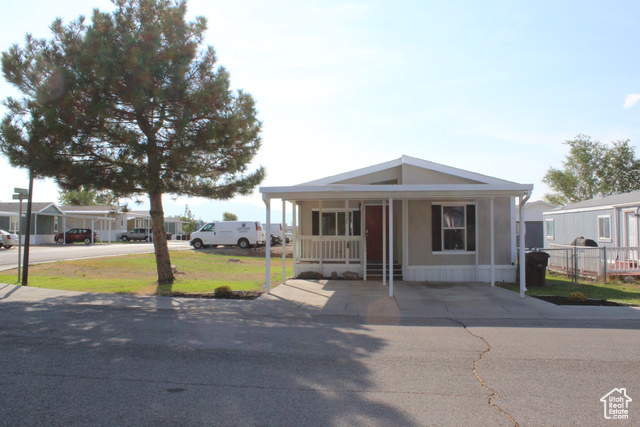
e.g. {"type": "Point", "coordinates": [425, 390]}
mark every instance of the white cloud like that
{"type": "Point", "coordinates": [631, 100]}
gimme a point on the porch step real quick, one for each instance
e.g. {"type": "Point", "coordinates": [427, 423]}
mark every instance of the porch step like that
{"type": "Point", "coordinates": [375, 270]}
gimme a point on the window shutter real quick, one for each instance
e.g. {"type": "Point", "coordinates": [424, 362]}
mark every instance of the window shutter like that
{"type": "Point", "coordinates": [315, 223]}
{"type": "Point", "coordinates": [436, 228]}
{"type": "Point", "coordinates": [471, 228]}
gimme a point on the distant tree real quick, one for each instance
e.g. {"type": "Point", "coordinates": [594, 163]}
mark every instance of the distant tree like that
{"type": "Point", "coordinates": [593, 169]}
{"type": "Point", "coordinates": [228, 216]}
{"type": "Point", "coordinates": [188, 221]}
{"type": "Point", "coordinates": [87, 197]}
{"type": "Point", "coordinates": [130, 103]}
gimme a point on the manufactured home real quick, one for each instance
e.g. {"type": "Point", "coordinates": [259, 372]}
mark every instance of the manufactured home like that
{"type": "Point", "coordinates": [410, 219]}
{"type": "Point", "coordinates": [610, 221]}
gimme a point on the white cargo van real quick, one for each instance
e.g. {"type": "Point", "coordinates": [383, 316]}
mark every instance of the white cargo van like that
{"type": "Point", "coordinates": [242, 233]}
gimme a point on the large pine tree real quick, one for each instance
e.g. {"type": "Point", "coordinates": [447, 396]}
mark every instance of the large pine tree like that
{"type": "Point", "coordinates": [133, 103]}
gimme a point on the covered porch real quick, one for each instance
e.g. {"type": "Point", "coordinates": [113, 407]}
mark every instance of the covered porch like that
{"type": "Point", "coordinates": [405, 219]}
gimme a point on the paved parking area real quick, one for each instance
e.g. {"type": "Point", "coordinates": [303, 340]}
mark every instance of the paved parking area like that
{"type": "Point", "coordinates": [430, 300]}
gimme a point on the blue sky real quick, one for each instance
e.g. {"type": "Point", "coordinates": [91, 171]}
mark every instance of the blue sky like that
{"type": "Point", "coordinates": [493, 87]}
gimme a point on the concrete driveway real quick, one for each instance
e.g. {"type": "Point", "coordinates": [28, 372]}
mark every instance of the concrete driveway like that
{"type": "Point", "coordinates": [429, 300]}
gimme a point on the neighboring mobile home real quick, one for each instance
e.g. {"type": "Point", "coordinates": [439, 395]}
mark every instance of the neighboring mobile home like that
{"type": "Point", "coordinates": [534, 220]}
{"type": "Point", "coordinates": [610, 221]}
{"type": "Point", "coordinates": [430, 222]}
{"type": "Point", "coordinates": [45, 220]}
{"type": "Point", "coordinates": [107, 221]}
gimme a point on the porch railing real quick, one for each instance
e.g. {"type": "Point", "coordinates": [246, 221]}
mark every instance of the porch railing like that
{"type": "Point", "coordinates": [589, 261]}
{"type": "Point", "coordinates": [328, 248]}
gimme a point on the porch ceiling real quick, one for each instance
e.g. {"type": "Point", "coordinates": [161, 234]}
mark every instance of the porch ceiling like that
{"type": "Point", "coordinates": [355, 192]}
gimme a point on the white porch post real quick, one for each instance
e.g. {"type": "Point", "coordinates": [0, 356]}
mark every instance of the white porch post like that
{"type": "Point", "coordinates": [523, 230]}
{"type": "Point", "coordinates": [493, 252]}
{"type": "Point", "coordinates": [92, 230]}
{"type": "Point", "coordinates": [477, 256]}
{"type": "Point", "coordinates": [363, 232]}
{"type": "Point", "coordinates": [346, 231]}
{"type": "Point", "coordinates": [267, 238]}
{"type": "Point", "coordinates": [405, 236]}
{"type": "Point", "coordinates": [390, 246]}
{"type": "Point", "coordinates": [384, 242]}
{"type": "Point", "coordinates": [294, 224]}
{"type": "Point", "coordinates": [284, 243]}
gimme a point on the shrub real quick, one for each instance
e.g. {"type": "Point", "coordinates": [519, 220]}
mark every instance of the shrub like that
{"type": "Point", "coordinates": [577, 296]}
{"type": "Point", "coordinates": [223, 292]}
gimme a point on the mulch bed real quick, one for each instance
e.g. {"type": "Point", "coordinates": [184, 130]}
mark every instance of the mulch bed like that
{"type": "Point", "coordinates": [561, 300]}
{"type": "Point", "coordinates": [246, 295]}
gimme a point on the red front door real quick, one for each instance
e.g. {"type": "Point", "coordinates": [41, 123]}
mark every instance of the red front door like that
{"type": "Point", "coordinates": [373, 221]}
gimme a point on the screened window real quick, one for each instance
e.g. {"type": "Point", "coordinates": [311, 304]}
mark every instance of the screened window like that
{"type": "Point", "coordinates": [549, 229]}
{"type": "Point", "coordinates": [604, 228]}
{"type": "Point", "coordinates": [453, 228]}
{"type": "Point", "coordinates": [336, 223]}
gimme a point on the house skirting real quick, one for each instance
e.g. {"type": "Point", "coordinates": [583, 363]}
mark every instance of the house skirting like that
{"type": "Point", "coordinates": [459, 273]}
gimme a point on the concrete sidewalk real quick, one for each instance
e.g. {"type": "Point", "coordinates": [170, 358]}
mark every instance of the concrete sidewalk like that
{"type": "Point", "coordinates": [363, 299]}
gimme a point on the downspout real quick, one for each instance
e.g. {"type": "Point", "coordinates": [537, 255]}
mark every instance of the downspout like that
{"type": "Point", "coordinates": [523, 230]}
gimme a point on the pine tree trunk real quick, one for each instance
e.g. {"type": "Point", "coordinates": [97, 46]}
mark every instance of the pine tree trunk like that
{"type": "Point", "coordinates": [163, 261]}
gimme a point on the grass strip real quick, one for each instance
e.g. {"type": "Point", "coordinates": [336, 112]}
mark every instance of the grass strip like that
{"type": "Point", "coordinates": [198, 272]}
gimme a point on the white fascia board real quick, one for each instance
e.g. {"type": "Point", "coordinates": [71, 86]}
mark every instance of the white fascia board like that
{"type": "Point", "coordinates": [396, 191]}
{"type": "Point", "coordinates": [566, 211]}
{"type": "Point", "coordinates": [355, 173]}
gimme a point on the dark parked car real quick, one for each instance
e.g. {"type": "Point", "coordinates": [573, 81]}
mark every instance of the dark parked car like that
{"type": "Point", "coordinates": [76, 235]}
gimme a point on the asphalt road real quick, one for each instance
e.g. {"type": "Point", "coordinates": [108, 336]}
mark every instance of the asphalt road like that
{"type": "Point", "coordinates": [49, 253]}
{"type": "Point", "coordinates": [64, 365]}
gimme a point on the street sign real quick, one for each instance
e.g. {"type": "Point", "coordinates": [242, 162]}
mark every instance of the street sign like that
{"type": "Point", "coordinates": [21, 190]}
{"type": "Point", "coordinates": [20, 196]}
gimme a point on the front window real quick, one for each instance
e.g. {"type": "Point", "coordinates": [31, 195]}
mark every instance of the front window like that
{"type": "Point", "coordinates": [453, 228]}
{"type": "Point", "coordinates": [604, 228]}
{"type": "Point", "coordinates": [336, 223]}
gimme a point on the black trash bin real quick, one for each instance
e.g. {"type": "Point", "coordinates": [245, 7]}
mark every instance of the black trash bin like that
{"type": "Point", "coordinates": [536, 268]}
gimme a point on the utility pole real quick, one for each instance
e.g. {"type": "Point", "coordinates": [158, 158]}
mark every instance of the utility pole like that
{"type": "Point", "coordinates": [25, 271]}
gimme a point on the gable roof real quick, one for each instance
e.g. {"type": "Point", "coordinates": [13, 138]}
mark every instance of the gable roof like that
{"type": "Point", "coordinates": [36, 207]}
{"type": "Point", "coordinates": [406, 177]}
{"type": "Point", "coordinates": [607, 202]}
{"type": "Point", "coordinates": [412, 161]}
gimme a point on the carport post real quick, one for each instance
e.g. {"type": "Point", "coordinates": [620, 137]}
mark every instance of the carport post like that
{"type": "Point", "coordinates": [390, 246]}
{"type": "Point", "coordinates": [493, 252]}
{"type": "Point", "coordinates": [384, 242]}
{"type": "Point", "coordinates": [283, 243]}
{"type": "Point", "coordinates": [523, 200]}
{"type": "Point", "coordinates": [267, 238]}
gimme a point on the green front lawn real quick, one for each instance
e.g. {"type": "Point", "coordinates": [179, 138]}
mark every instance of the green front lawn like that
{"type": "Point", "coordinates": [559, 285]}
{"type": "Point", "coordinates": [199, 272]}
